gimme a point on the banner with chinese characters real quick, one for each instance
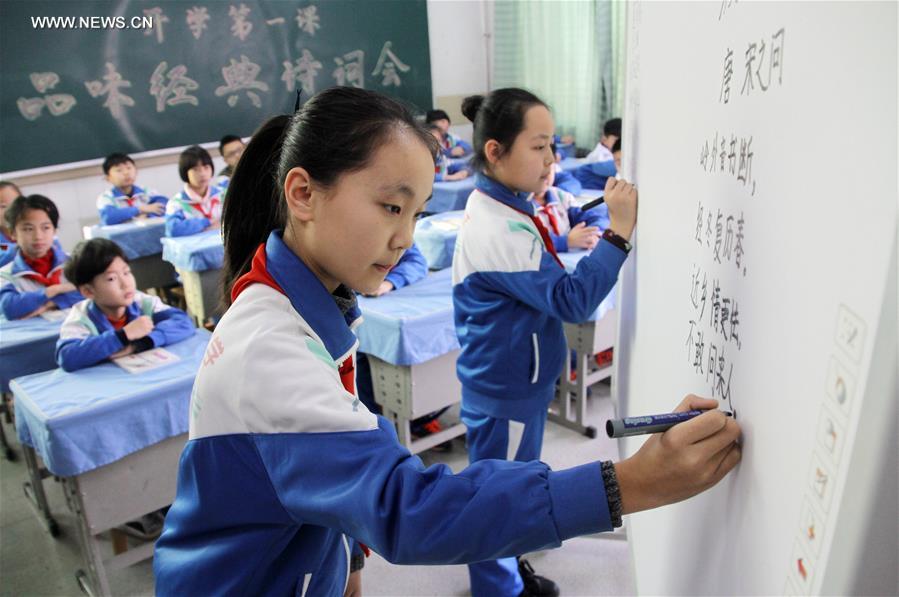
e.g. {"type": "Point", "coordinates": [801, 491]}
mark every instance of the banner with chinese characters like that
{"type": "Point", "coordinates": [84, 79]}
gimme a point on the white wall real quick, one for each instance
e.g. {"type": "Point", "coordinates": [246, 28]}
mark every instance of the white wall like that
{"type": "Point", "coordinates": [459, 67]}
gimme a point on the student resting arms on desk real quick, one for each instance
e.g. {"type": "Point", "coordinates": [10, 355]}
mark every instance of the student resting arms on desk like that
{"type": "Point", "coordinates": [197, 207]}
{"type": "Point", "coordinates": [285, 474]}
{"type": "Point", "coordinates": [126, 201]}
{"type": "Point", "coordinates": [33, 282]}
{"type": "Point", "coordinates": [568, 226]}
{"type": "Point", "coordinates": [115, 319]}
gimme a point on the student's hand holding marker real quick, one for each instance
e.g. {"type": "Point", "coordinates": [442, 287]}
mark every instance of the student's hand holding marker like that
{"type": "Point", "coordinates": [155, 209]}
{"type": "Point", "coordinates": [685, 460]}
{"type": "Point", "coordinates": [621, 198]}
{"type": "Point", "coordinates": [583, 236]}
{"type": "Point", "coordinates": [139, 328]}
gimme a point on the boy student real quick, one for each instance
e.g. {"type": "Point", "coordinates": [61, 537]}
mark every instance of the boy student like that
{"type": "Point", "coordinates": [452, 146]}
{"type": "Point", "coordinates": [125, 200]}
{"type": "Point", "coordinates": [444, 170]}
{"type": "Point", "coordinates": [115, 319]}
{"type": "Point", "coordinates": [611, 132]}
{"type": "Point", "coordinates": [231, 147]}
{"type": "Point", "coordinates": [33, 282]}
{"type": "Point", "coordinates": [594, 175]}
{"type": "Point", "coordinates": [8, 193]}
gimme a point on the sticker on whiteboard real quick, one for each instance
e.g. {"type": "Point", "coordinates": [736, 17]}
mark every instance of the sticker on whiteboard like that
{"type": "Point", "coordinates": [830, 435]}
{"type": "Point", "coordinates": [802, 568]}
{"type": "Point", "coordinates": [850, 335]}
{"type": "Point", "coordinates": [821, 482]}
{"type": "Point", "coordinates": [840, 386]}
{"type": "Point", "coordinates": [811, 528]}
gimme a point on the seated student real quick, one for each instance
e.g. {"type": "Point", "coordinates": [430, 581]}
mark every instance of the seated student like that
{"type": "Point", "coordinates": [451, 146]}
{"type": "Point", "coordinates": [198, 206]}
{"type": "Point", "coordinates": [444, 170]}
{"type": "Point", "coordinates": [568, 226]}
{"type": "Point", "coordinates": [125, 200]}
{"type": "Point", "coordinates": [115, 319]}
{"type": "Point", "coordinates": [594, 175]}
{"type": "Point", "coordinates": [565, 180]}
{"type": "Point", "coordinates": [33, 282]}
{"type": "Point", "coordinates": [231, 147]}
{"type": "Point", "coordinates": [8, 193]}
{"type": "Point", "coordinates": [611, 132]}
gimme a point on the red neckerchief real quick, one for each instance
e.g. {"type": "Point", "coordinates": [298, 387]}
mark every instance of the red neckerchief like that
{"type": "Point", "coordinates": [198, 205]}
{"type": "Point", "coordinates": [553, 223]}
{"type": "Point", "coordinates": [118, 324]}
{"type": "Point", "coordinates": [258, 274]}
{"type": "Point", "coordinates": [41, 268]}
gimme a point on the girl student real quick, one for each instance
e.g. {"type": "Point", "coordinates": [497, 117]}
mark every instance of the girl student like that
{"type": "Point", "coordinates": [511, 295]}
{"type": "Point", "coordinates": [285, 473]}
{"type": "Point", "coordinates": [198, 206]}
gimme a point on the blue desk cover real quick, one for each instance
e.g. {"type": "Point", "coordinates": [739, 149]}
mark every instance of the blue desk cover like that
{"type": "Point", "coordinates": [460, 162]}
{"type": "Point", "coordinates": [436, 236]}
{"type": "Point", "coordinates": [26, 346]}
{"type": "Point", "coordinates": [450, 196]}
{"type": "Point", "coordinates": [87, 419]}
{"type": "Point", "coordinates": [136, 239]}
{"type": "Point", "coordinates": [195, 253]}
{"type": "Point", "coordinates": [411, 325]}
{"type": "Point", "coordinates": [566, 150]}
{"type": "Point", "coordinates": [569, 164]}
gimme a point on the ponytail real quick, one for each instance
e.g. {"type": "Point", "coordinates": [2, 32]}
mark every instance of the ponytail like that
{"type": "Point", "coordinates": [498, 116]}
{"type": "Point", "coordinates": [253, 204]}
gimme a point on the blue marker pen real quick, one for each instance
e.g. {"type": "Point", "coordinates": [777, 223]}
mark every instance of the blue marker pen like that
{"type": "Point", "coordinates": [650, 423]}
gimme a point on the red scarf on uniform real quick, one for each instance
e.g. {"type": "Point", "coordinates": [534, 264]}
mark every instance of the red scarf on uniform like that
{"type": "Point", "coordinates": [41, 268]}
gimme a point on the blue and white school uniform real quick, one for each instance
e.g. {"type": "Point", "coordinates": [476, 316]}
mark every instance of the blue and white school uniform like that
{"type": "Point", "coordinates": [560, 215]}
{"type": "Point", "coordinates": [444, 166]}
{"type": "Point", "coordinates": [594, 175]}
{"type": "Point", "coordinates": [450, 141]}
{"type": "Point", "coordinates": [510, 297]}
{"type": "Point", "coordinates": [187, 213]}
{"type": "Point", "coordinates": [116, 207]}
{"type": "Point", "coordinates": [8, 248]}
{"type": "Point", "coordinates": [600, 153]}
{"type": "Point", "coordinates": [22, 292]}
{"type": "Point", "coordinates": [87, 337]}
{"type": "Point", "coordinates": [411, 268]}
{"type": "Point", "coordinates": [566, 181]}
{"type": "Point", "coordinates": [285, 470]}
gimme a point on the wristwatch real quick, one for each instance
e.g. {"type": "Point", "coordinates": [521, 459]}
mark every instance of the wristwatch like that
{"type": "Point", "coordinates": [618, 241]}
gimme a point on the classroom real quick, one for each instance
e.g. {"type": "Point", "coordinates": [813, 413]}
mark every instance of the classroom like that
{"type": "Point", "coordinates": [500, 298]}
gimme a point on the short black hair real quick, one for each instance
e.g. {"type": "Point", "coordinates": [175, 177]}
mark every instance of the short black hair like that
{"type": "Point", "coordinates": [225, 140]}
{"type": "Point", "coordinates": [113, 160]}
{"type": "Point", "coordinates": [617, 145]}
{"type": "Point", "coordinates": [190, 157]}
{"type": "Point", "coordinates": [435, 115]}
{"type": "Point", "coordinates": [612, 127]}
{"type": "Point", "coordinates": [16, 211]}
{"type": "Point", "coordinates": [433, 127]}
{"type": "Point", "coordinates": [90, 259]}
{"type": "Point", "coordinates": [6, 183]}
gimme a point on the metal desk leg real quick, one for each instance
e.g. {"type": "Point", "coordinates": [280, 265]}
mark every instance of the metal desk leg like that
{"type": "Point", "coordinates": [6, 409]}
{"type": "Point", "coordinates": [34, 491]}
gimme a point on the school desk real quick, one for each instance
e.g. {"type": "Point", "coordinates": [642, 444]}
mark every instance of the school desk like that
{"type": "Point", "coordinates": [140, 241]}
{"type": "Point", "coordinates": [113, 439]}
{"type": "Point", "coordinates": [449, 196]}
{"type": "Point", "coordinates": [198, 259]}
{"type": "Point", "coordinates": [436, 236]}
{"type": "Point", "coordinates": [410, 339]}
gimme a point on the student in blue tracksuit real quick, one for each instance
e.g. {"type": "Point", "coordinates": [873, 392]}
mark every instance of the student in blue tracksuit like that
{"type": "Point", "coordinates": [511, 295]}
{"type": "Point", "coordinates": [569, 227]}
{"type": "Point", "coordinates": [450, 145]}
{"type": "Point", "coordinates": [593, 175]}
{"type": "Point", "coordinates": [115, 319]}
{"type": "Point", "coordinates": [564, 179]}
{"type": "Point", "coordinates": [286, 475]}
{"type": "Point", "coordinates": [8, 193]}
{"type": "Point", "coordinates": [33, 282]}
{"type": "Point", "coordinates": [197, 207]}
{"type": "Point", "coordinates": [125, 201]}
{"type": "Point", "coordinates": [446, 170]}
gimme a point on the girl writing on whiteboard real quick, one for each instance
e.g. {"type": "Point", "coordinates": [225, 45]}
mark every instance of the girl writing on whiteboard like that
{"type": "Point", "coordinates": [286, 474]}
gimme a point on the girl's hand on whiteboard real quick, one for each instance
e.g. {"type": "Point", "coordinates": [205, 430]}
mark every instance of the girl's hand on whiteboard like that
{"type": "Point", "coordinates": [685, 460]}
{"type": "Point", "coordinates": [621, 197]}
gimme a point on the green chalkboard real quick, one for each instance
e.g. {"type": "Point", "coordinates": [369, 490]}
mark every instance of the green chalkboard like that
{"type": "Point", "coordinates": [83, 79]}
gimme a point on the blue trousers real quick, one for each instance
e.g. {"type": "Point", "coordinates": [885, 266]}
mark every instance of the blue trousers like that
{"type": "Point", "coordinates": [488, 437]}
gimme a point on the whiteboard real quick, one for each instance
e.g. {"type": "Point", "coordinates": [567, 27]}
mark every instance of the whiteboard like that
{"type": "Point", "coordinates": [764, 275]}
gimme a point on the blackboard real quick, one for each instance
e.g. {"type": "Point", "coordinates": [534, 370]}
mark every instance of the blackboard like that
{"type": "Point", "coordinates": [84, 79]}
